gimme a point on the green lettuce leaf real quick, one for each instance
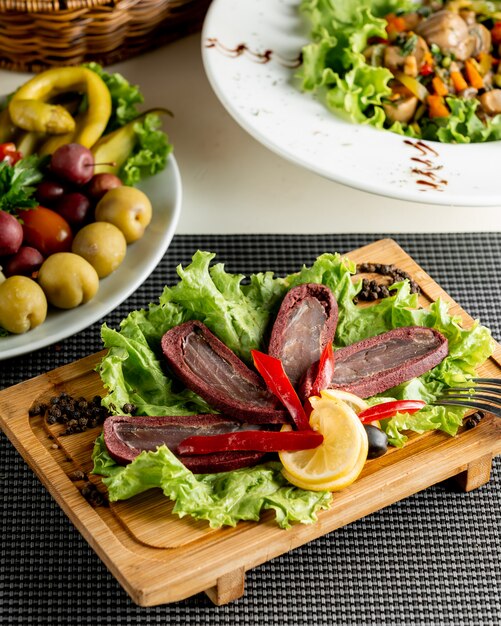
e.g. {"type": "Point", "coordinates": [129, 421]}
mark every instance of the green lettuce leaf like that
{"type": "Point", "coordinates": [333, 64]}
{"type": "Point", "coordinates": [150, 152]}
{"type": "Point", "coordinates": [238, 314]}
{"type": "Point", "coordinates": [222, 499]}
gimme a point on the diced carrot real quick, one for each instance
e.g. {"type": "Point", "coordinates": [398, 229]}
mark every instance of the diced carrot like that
{"type": "Point", "coordinates": [458, 81]}
{"type": "Point", "coordinates": [437, 106]}
{"type": "Point", "coordinates": [395, 24]}
{"type": "Point", "coordinates": [428, 59]}
{"type": "Point", "coordinates": [439, 86]}
{"type": "Point", "coordinates": [473, 75]}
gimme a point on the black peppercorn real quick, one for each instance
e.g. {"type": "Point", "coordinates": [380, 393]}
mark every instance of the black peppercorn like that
{"type": "Point", "coordinates": [129, 408]}
{"type": "Point", "coordinates": [371, 290]}
{"type": "Point", "coordinates": [93, 496]}
{"type": "Point", "coordinates": [37, 408]}
{"type": "Point", "coordinates": [77, 414]}
{"type": "Point", "coordinates": [473, 420]}
{"type": "Point", "coordinates": [76, 475]}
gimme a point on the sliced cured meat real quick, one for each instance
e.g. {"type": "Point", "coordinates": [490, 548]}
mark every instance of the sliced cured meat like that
{"type": "Point", "coordinates": [305, 323]}
{"type": "Point", "coordinates": [205, 365]}
{"type": "Point", "coordinates": [374, 365]}
{"type": "Point", "coordinates": [126, 437]}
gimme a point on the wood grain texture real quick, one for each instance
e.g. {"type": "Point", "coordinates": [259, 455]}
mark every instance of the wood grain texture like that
{"type": "Point", "coordinates": [160, 558]}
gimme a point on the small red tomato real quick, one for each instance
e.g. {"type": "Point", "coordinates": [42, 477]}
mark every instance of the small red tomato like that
{"type": "Point", "coordinates": [9, 153]}
{"type": "Point", "coordinates": [46, 231]}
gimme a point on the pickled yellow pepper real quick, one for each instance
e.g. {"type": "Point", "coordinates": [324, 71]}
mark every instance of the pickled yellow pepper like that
{"type": "Point", "coordinates": [56, 81]}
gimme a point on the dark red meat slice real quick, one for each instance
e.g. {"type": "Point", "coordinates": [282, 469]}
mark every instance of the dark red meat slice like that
{"type": "Point", "coordinates": [126, 437]}
{"type": "Point", "coordinates": [305, 323]}
{"type": "Point", "coordinates": [205, 365]}
{"type": "Point", "coordinates": [374, 365]}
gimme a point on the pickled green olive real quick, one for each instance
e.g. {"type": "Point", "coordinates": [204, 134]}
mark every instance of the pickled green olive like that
{"type": "Point", "coordinates": [102, 245]}
{"type": "Point", "coordinates": [378, 441]}
{"type": "Point", "coordinates": [68, 280]}
{"type": "Point", "coordinates": [22, 304]}
{"type": "Point", "coordinates": [128, 209]}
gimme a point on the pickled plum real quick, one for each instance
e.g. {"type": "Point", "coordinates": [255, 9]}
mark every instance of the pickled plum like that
{"type": "Point", "coordinates": [26, 261]}
{"type": "Point", "coordinates": [75, 208]}
{"type": "Point", "coordinates": [101, 184]}
{"type": "Point", "coordinates": [11, 234]}
{"type": "Point", "coordinates": [74, 163]}
{"type": "Point", "coordinates": [49, 192]}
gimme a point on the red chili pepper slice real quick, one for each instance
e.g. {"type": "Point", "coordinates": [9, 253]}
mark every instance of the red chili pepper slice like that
{"type": "Point", "coordinates": [496, 33]}
{"type": "Point", "coordinates": [259, 440]}
{"type": "Point", "coordinates": [9, 153]}
{"type": "Point", "coordinates": [277, 381]}
{"type": "Point", "coordinates": [426, 70]}
{"type": "Point", "coordinates": [324, 375]}
{"type": "Point", "coordinates": [389, 409]}
{"type": "Point", "coordinates": [325, 370]}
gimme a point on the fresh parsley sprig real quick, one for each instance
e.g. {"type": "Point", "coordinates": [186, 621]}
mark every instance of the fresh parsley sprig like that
{"type": "Point", "coordinates": [17, 183]}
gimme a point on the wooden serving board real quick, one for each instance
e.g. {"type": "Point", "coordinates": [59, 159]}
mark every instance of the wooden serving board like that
{"type": "Point", "coordinates": [158, 557]}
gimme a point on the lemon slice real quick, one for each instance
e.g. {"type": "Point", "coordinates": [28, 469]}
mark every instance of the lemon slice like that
{"type": "Point", "coordinates": [338, 461]}
{"type": "Point", "coordinates": [339, 483]}
{"type": "Point", "coordinates": [354, 402]}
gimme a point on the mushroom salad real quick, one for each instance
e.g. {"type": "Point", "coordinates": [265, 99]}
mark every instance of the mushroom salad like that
{"type": "Point", "coordinates": [427, 70]}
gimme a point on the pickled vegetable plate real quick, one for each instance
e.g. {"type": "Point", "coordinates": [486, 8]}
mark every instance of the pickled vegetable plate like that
{"type": "Point", "coordinates": [165, 192]}
{"type": "Point", "coordinates": [251, 53]}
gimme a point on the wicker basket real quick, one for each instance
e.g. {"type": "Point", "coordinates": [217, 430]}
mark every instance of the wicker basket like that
{"type": "Point", "coordinates": [37, 34]}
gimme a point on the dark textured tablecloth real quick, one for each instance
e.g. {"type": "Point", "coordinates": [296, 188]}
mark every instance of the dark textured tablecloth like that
{"type": "Point", "coordinates": [433, 558]}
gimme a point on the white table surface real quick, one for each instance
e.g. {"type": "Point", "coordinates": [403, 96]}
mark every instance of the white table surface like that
{"type": "Point", "coordinates": [232, 184]}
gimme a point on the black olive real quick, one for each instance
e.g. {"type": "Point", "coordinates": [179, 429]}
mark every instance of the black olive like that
{"type": "Point", "coordinates": [378, 441]}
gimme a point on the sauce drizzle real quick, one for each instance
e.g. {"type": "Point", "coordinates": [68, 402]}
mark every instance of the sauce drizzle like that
{"type": "Point", "coordinates": [428, 168]}
{"type": "Point", "coordinates": [243, 49]}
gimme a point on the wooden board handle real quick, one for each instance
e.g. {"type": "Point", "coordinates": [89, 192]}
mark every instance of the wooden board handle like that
{"type": "Point", "coordinates": [229, 587]}
{"type": "Point", "coordinates": [476, 475]}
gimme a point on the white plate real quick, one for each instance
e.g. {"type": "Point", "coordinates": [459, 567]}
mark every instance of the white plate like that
{"type": "Point", "coordinates": [249, 47]}
{"type": "Point", "coordinates": [164, 191]}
